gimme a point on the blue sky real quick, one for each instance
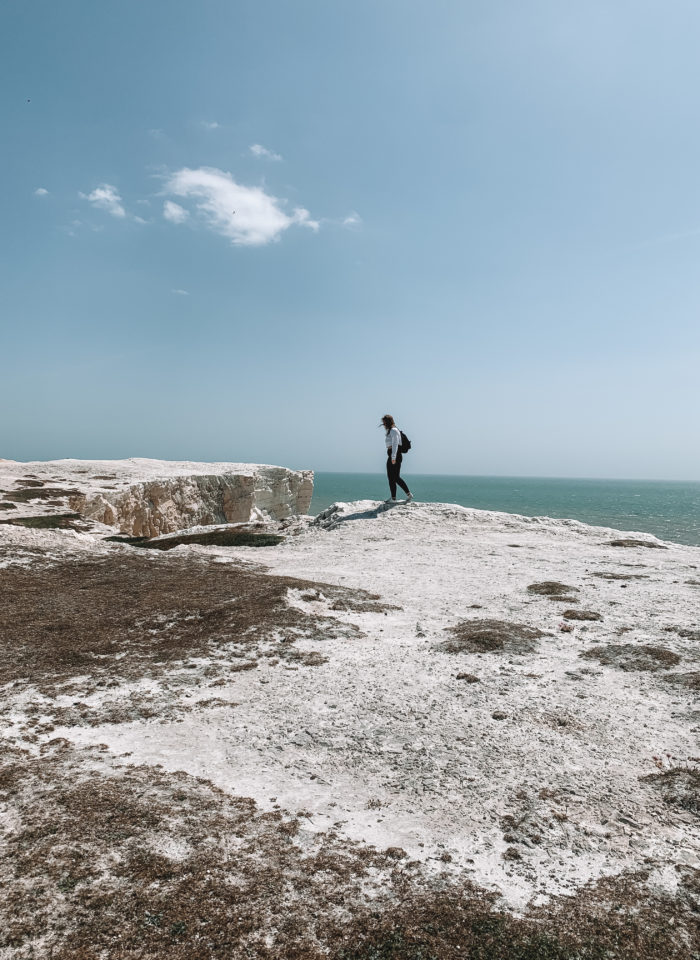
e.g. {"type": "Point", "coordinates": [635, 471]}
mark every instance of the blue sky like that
{"type": "Point", "coordinates": [482, 217]}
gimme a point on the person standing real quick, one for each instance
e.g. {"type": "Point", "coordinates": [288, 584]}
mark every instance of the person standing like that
{"type": "Point", "coordinates": [394, 458]}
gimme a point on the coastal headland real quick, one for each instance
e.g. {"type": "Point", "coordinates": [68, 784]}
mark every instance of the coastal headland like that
{"type": "Point", "coordinates": [412, 731]}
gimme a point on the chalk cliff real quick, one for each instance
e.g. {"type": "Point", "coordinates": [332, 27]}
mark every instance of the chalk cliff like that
{"type": "Point", "coordinates": [152, 497]}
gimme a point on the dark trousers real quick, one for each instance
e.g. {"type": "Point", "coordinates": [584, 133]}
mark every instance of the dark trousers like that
{"type": "Point", "coordinates": [392, 471]}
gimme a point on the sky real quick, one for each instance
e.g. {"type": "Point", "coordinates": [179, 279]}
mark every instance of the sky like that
{"type": "Point", "coordinates": [243, 230]}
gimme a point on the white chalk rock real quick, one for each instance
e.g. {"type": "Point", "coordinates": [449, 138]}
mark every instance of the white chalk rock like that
{"type": "Point", "coordinates": [146, 498]}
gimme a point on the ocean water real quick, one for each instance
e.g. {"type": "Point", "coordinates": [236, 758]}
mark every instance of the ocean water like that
{"type": "Point", "coordinates": [669, 510]}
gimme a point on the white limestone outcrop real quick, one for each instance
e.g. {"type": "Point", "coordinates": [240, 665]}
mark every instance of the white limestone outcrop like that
{"type": "Point", "coordinates": [152, 497]}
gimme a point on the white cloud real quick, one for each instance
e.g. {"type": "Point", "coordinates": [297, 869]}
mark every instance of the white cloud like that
{"type": "Point", "coordinates": [258, 150]}
{"type": "Point", "coordinates": [106, 197]}
{"type": "Point", "coordinates": [41, 192]}
{"type": "Point", "coordinates": [174, 212]}
{"type": "Point", "coordinates": [352, 220]}
{"type": "Point", "coordinates": [210, 124]}
{"type": "Point", "coordinates": [246, 215]}
{"type": "Point", "coordinates": [181, 293]}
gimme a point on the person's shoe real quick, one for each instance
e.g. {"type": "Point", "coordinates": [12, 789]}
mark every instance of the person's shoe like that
{"type": "Point", "coordinates": [390, 500]}
{"type": "Point", "coordinates": [409, 498]}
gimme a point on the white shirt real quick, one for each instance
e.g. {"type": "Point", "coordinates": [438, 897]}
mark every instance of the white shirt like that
{"type": "Point", "coordinates": [393, 441]}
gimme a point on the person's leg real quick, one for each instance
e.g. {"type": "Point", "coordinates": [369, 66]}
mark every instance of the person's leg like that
{"type": "Point", "coordinates": [397, 468]}
{"type": "Point", "coordinates": [391, 474]}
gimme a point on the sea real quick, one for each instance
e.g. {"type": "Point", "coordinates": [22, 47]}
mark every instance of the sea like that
{"type": "Point", "coordinates": [669, 510]}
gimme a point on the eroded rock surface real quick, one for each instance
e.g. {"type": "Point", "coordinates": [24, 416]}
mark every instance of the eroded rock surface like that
{"type": "Point", "coordinates": [186, 737]}
{"type": "Point", "coordinates": [147, 498]}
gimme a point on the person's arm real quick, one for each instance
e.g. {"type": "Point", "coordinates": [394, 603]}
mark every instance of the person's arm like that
{"type": "Point", "coordinates": [395, 438]}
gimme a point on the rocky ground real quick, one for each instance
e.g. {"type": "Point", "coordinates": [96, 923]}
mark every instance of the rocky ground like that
{"type": "Point", "coordinates": [420, 731]}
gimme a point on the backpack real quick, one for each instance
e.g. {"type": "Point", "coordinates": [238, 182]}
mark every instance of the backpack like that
{"type": "Point", "coordinates": [405, 443]}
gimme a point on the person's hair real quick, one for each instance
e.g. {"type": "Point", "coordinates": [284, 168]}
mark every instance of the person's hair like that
{"type": "Point", "coordinates": [388, 422]}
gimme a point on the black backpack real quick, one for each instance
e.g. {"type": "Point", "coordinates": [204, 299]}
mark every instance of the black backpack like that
{"type": "Point", "coordinates": [405, 443]}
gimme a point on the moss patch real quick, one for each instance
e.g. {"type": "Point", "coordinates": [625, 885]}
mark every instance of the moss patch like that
{"type": "Point", "coordinates": [691, 681]}
{"type": "Point", "coordinates": [629, 542]}
{"type": "Point", "coordinates": [687, 633]}
{"type": "Point", "coordinates": [551, 588]}
{"type": "Point", "coordinates": [609, 575]}
{"type": "Point", "coordinates": [633, 657]}
{"type": "Point", "coordinates": [87, 854]}
{"type": "Point", "coordinates": [581, 615]}
{"type": "Point", "coordinates": [136, 862]}
{"type": "Point", "coordinates": [680, 788]}
{"type": "Point", "coordinates": [448, 924]}
{"type": "Point", "coordinates": [491, 636]}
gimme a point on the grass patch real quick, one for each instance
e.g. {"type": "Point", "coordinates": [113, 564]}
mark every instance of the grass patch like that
{"type": "Point", "coordinates": [633, 657]}
{"type": "Point", "coordinates": [491, 636]}
{"type": "Point", "coordinates": [7, 506]}
{"type": "Point", "coordinates": [54, 521]}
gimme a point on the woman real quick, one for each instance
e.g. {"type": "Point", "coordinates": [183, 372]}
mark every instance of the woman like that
{"type": "Point", "coordinates": [393, 458]}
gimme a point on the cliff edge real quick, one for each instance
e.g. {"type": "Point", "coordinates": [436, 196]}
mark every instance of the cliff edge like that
{"type": "Point", "coordinates": [146, 498]}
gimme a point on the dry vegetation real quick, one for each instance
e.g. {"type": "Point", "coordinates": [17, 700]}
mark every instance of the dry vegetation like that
{"type": "Point", "coordinates": [554, 590]}
{"type": "Point", "coordinates": [631, 656]}
{"type": "Point", "coordinates": [689, 680]}
{"type": "Point", "coordinates": [611, 575]}
{"type": "Point", "coordinates": [581, 615]}
{"type": "Point", "coordinates": [236, 537]}
{"type": "Point", "coordinates": [686, 633]}
{"type": "Point", "coordinates": [101, 860]}
{"type": "Point", "coordinates": [630, 542]}
{"type": "Point", "coordinates": [489, 636]}
{"type": "Point", "coordinates": [133, 863]}
{"type": "Point", "coordinates": [24, 494]}
{"type": "Point", "coordinates": [679, 786]}
{"type": "Point", "coordinates": [52, 521]}
{"type": "Point", "coordinates": [71, 619]}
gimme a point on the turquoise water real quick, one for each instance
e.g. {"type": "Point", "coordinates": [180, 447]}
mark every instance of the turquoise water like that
{"type": "Point", "coordinates": [668, 510]}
